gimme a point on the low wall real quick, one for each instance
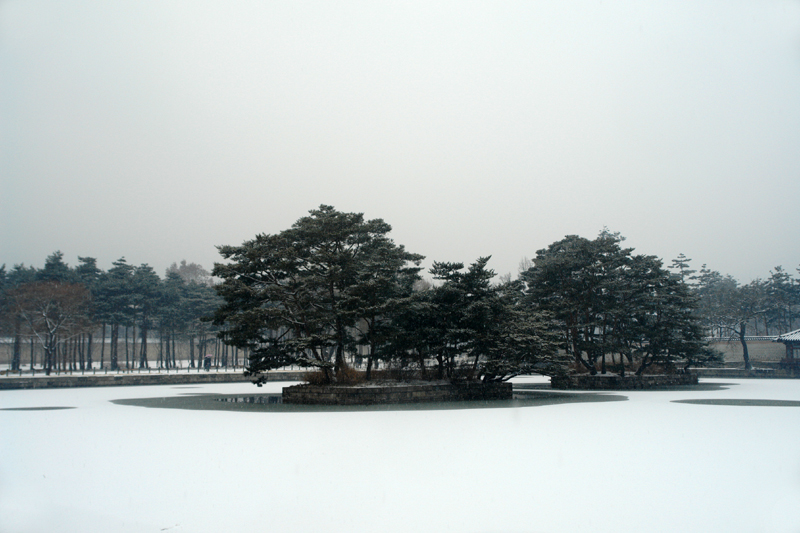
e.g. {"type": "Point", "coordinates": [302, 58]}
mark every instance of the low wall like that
{"type": "Point", "coordinates": [124, 380]}
{"type": "Point", "coordinates": [759, 351]}
{"type": "Point", "coordinates": [757, 373]}
{"type": "Point", "coordinates": [615, 382]}
{"type": "Point", "coordinates": [396, 393]}
{"type": "Point", "coordinates": [258, 399]}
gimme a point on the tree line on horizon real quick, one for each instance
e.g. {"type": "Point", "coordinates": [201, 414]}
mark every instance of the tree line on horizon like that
{"type": "Point", "coordinates": [65, 311]}
{"type": "Point", "coordinates": [736, 311]}
{"type": "Point", "coordinates": [335, 284]}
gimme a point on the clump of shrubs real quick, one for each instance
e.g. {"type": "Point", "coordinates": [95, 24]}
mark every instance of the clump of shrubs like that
{"type": "Point", "coordinates": [345, 376]}
{"type": "Point", "coordinates": [348, 376]}
{"type": "Point", "coordinates": [315, 377]}
{"type": "Point", "coordinates": [630, 368]}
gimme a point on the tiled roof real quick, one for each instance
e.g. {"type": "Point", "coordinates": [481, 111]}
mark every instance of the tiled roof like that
{"type": "Point", "coordinates": [747, 338]}
{"type": "Point", "coordinates": [791, 336]}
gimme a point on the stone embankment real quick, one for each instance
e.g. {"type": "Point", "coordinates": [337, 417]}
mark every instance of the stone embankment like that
{"type": "Point", "coordinates": [739, 373]}
{"type": "Point", "coordinates": [128, 379]}
{"type": "Point", "coordinates": [616, 382]}
{"type": "Point", "coordinates": [396, 393]}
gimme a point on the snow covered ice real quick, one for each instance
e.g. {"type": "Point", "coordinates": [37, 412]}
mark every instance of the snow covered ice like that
{"type": "Point", "coordinates": [644, 464]}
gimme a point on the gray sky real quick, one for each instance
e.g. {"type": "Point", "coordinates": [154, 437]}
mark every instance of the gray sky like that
{"type": "Point", "coordinates": [159, 129]}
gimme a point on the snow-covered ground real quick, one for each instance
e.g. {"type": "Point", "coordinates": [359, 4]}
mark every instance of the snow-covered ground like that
{"type": "Point", "coordinates": [645, 464]}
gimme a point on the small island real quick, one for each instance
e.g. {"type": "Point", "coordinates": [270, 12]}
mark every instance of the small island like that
{"type": "Point", "coordinates": [334, 292]}
{"type": "Point", "coordinates": [397, 392]}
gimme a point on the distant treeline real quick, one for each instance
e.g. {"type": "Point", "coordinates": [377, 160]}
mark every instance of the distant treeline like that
{"type": "Point", "coordinates": [334, 281]}
{"type": "Point", "coordinates": [726, 308]}
{"type": "Point", "coordinates": [335, 285]}
{"type": "Point", "coordinates": [83, 317]}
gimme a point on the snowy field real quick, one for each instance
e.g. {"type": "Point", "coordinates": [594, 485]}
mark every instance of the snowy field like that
{"type": "Point", "coordinates": [646, 464]}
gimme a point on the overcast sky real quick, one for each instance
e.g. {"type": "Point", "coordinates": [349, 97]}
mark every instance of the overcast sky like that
{"type": "Point", "coordinates": [156, 130]}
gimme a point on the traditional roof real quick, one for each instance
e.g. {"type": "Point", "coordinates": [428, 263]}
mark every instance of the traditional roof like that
{"type": "Point", "coordinates": [792, 336]}
{"type": "Point", "coordinates": [747, 338]}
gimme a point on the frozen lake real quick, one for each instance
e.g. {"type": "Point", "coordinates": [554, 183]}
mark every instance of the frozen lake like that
{"type": "Point", "coordinates": [643, 464]}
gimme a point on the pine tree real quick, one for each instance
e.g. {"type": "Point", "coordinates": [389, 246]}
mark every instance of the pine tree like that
{"type": "Point", "coordinates": [295, 297]}
{"type": "Point", "coordinates": [609, 302]}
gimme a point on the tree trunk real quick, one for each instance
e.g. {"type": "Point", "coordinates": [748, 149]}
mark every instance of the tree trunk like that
{"type": "Point", "coordinates": [143, 363]}
{"type": "Point", "coordinates": [127, 357]}
{"type": "Point", "coordinates": [577, 352]}
{"type": "Point", "coordinates": [103, 347]}
{"type": "Point", "coordinates": [114, 348]}
{"type": "Point", "coordinates": [167, 346]}
{"type": "Point", "coordinates": [338, 361]}
{"type": "Point", "coordinates": [89, 361]}
{"type": "Point", "coordinates": [76, 363]}
{"type": "Point", "coordinates": [16, 359]}
{"type": "Point", "coordinates": [161, 349]}
{"type": "Point", "coordinates": [133, 348]}
{"type": "Point", "coordinates": [745, 354]}
{"type": "Point", "coordinates": [33, 362]}
{"type": "Point", "coordinates": [48, 354]}
{"type": "Point", "coordinates": [421, 361]}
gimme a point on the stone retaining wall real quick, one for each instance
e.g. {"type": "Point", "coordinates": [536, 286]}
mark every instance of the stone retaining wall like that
{"type": "Point", "coordinates": [258, 399]}
{"type": "Point", "coordinates": [396, 393]}
{"type": "Point", "coordinates": [119, 380]}
{"type": "Point", "coordinates": [757, 373]}
{"type": "Point", "coordinates": [615, 382]}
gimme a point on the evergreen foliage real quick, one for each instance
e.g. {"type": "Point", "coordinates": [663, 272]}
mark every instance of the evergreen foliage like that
{"type": "Point", "coordinates": [62, 308]}
{"type": "Point", "coordinates": [297, 296]}
{"type": "Point", "coordinates": [334, 282]}
{"type": "Point", "coordinates": [610, 303]}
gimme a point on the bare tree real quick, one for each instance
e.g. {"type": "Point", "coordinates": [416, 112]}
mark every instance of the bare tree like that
{"type": "Point", "coordinates": [52, 312]}
{"type": "Point", "coordinates": [525, 264]}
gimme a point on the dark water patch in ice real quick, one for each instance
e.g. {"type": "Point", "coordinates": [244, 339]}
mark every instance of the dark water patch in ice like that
{"type": "Point", "coordinates": [704, 387]}
{"type": "Point", "coordinates": [531, 386]}
{"type": "Point", "coordinates": [46, 408]}
{"type": "Point", "coordinates": [269, 403]}
{"type": "Point", "coordinates": [743, 402]}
